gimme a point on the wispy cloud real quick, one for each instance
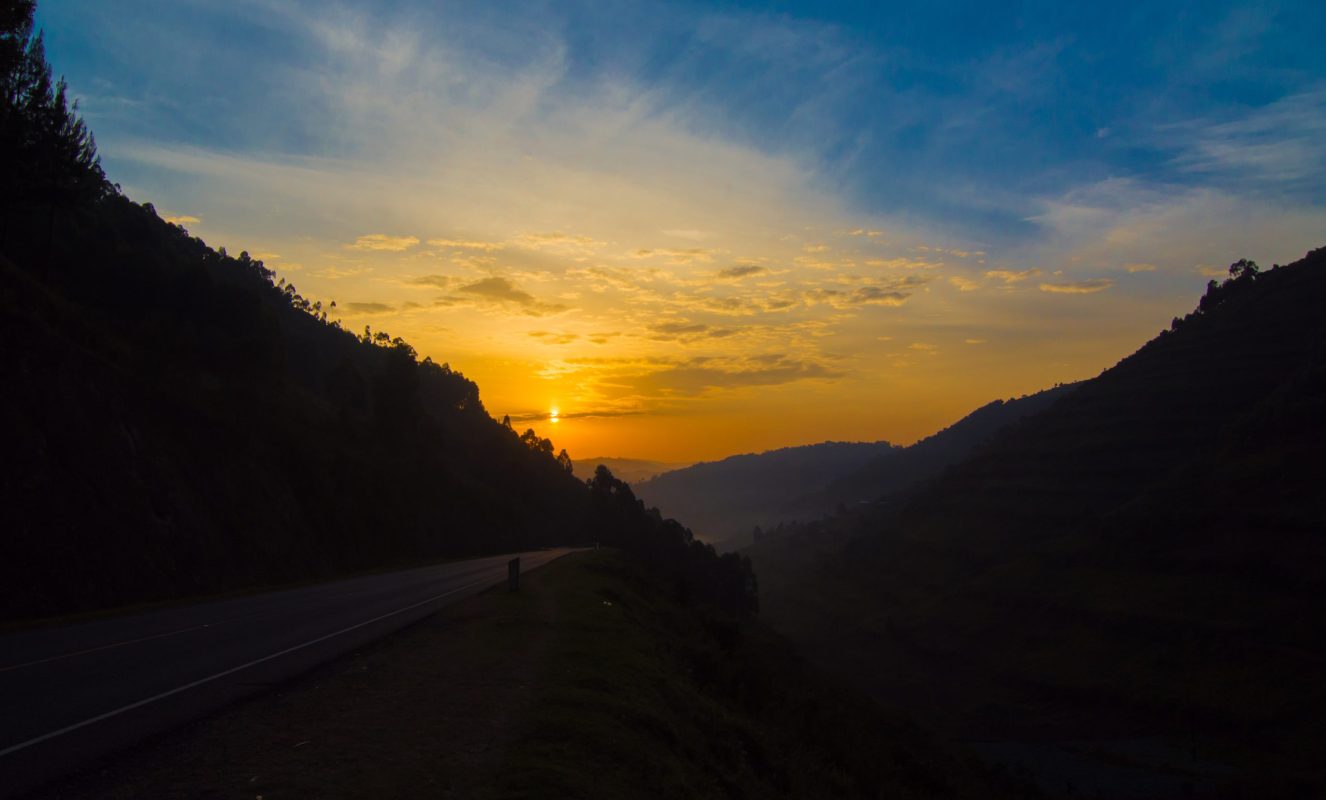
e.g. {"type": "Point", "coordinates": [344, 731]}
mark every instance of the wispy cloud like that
{"type": "Point", "coordinates": [548, 337]}
{"type": "Point", "coordinates": [501, 292]}
{"type": "Point", "coordinates": [701, 375]}
{"type": "Point", "coordinates": [1089, 286]}
{"type": "Point", "coordinates": [557, 241]}
{"type": "Point", "coordinates": [903, 263]}
{"type": "Point", "coordinates": [433, 281]}
{"type": "Point", "coordinates": [381, 241]}
{"type": "Point", "coordinates": [1281, 143]}
{"type": "Point", "coordinates": [1012, 276]}
{"type": "Point", "coordinates": [858, 297]}
{"type": "Point", "coordinates": [355, 308]}
{"type": "Point", "coordinates": [685, 331]}
{"type": "Point", "coordinates": [676, 255]}
{"type": "Point", "coordinates": [467, 244]}
{"type": "Point", "coordinates": [742, 271]}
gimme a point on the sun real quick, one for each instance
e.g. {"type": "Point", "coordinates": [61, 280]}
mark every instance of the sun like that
{"type": "Point", "coordinates": [554, 415]}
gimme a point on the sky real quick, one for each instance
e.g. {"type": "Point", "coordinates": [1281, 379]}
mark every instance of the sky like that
{"type": "Point", "coordinates": [681, 231]}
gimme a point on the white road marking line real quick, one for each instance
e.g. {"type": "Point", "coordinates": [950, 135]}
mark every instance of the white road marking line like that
{"type": "Point", "coordinates": [110, 646]}
{"type": "Point", "coordinates": [222, 674]}
{"type": "Point", "coordinates": [149, 637]}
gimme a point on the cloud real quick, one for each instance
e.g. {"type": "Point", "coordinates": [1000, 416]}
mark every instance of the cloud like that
{"type": "Point", "coordinates": [557, 241]}
{"type": "Point", "coordinates": [620, 278]}
{"type": "Point", "coordinates": [677, 328]}
{"type": "Point", "coordinates": [460, 244]}
{"type": "Point", "coordinates": [499, 291]}
{"type": "Point", "coordinates": [1089, 286]}
{"type": "Point", "coordinates": [741, 271]}
{"type": "Point", "coordinates": [903, 263]}
{"type": "Point", "coordinates": [674, 255]}
{"type": "Point", "coordinates": [855, 298]}
{"type": "Point", "coordinates": [1209, 271]}
{"type": "Point", "coordinates": [334, 273]}
{"type": "Point", "coordinates": [554, 338]}
{"type": "Point", "coordinates": [973, 341]}
{"type": "Point", "coordinates": [381, 241]}
{"type": "Point", "coordinates": [701, 375]}
{"type": "Point", "coordinates": [952, 251]}
{"type": "Point", "coordinates": [181, 219]}
{"type": "Point", "coordinates": [684, 331]}
{"type": "Point", "coordinates": [964, 284]}
{"type": "Point", "coordinates": [1012, 276]}
{"type": "Point", "coordinates": [1282, 142]}
{"type": "Point", "coordinates": [434, 281]}
{"type": "Point", "coordinates": [367, 308]}
{"type": "Point", "coordinates": [1139, 267]}
{"type": "Point", "coordinates": [892, 292]}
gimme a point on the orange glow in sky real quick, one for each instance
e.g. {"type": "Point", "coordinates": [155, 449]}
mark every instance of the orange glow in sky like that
{"type": "Point", "coordinates": [637, 269]}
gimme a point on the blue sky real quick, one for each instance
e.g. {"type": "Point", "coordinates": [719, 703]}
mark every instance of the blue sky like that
{"type": "Point", "coordinates": [957, 114]}
{"type": "Point", "coordinates": [709, 212]}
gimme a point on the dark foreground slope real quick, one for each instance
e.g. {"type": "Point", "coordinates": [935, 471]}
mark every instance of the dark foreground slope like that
{"type": "Point", "coordinates": [591, 681]}
{"type": "Point", "coordinates": [1143, 560]}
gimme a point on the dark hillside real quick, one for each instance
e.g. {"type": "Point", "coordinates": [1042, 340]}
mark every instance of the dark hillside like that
{"type": "Point", "coordinates": [1165, 408]}
{"type": "Point", "coordinates": [1143, 560]}
{"type": "Point", "coordinates": [177, 424]}
{"type": "Point", "coordinates": [900, 469]}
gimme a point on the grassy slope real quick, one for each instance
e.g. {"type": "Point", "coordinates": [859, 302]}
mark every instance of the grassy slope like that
{"type": "Point", "coordinates": [587, 683]}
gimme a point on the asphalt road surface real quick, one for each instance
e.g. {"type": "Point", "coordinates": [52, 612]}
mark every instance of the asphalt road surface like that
{"type": "Point", "coordinates": [72, 694]}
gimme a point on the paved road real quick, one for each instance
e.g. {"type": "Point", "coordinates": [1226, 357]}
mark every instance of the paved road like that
{"type": "Point", "coordinates": [71, 694]}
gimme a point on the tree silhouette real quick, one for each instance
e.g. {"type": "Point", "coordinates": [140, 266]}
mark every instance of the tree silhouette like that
{"type": "Point", "coordinates": [1244, 267]}
{"type": "Point", "coordinates": [48, 154]}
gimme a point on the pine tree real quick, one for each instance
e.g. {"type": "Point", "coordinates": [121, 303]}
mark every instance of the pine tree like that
{"type": "Point", "coordinates": [48, 157]}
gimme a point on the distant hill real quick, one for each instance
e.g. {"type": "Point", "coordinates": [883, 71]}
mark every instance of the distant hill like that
{"type": "Point", "coordinates": [723, 500]}
{"type": "Point", "coordinates": [1143, 558]}
{"type": "Point", "coordinates": [631, 470]}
